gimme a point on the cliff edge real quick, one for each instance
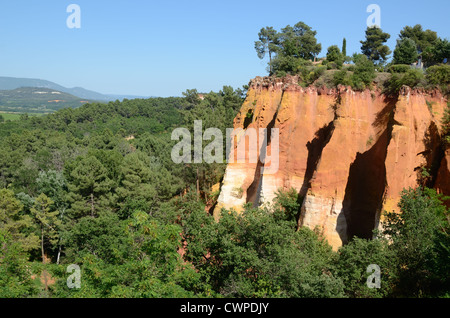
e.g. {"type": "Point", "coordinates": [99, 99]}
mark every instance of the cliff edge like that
{"type": "Point", "coordinates": [348, 154]}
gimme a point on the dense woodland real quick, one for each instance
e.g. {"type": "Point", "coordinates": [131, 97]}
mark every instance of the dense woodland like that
{"type": "Point", "coordinates": [95, 186]}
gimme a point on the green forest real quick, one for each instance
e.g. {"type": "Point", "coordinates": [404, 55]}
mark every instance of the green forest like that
{"type": "Point", "coordinates": [95, 186]}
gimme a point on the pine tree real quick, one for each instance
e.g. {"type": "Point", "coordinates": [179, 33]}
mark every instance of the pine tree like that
{"type": "Point", "coordinates": [135, 185]}
{"type": "Point", "coordinates": [53, 184]}
{"type": "Point", "coordinates": [90, 188]}
{"type": "Point", "coordinates": [335, 55]}
{"type": "Point", "coordinates": [266, 44]}
{"type": "Point", "coordinates": [47, 221]}
{"type": "Point", "coordinates": [405, 52]}
{"type": "Point", "coordinates": [373, 47]}
{"type": "Point", "coordinates": [14, 223]}
{"type": "Point", "coordinates": [422, 38]}
{"type": "Point", "coordinates": [15, 275]}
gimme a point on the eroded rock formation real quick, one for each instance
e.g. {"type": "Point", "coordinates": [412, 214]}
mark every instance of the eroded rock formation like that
{"type": "Point", "coordinates": [348, 154]}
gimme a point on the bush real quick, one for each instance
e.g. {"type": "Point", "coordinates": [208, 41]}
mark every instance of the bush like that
{"type": "Point", "coordinates": [412, 78]}
{"type": "Point", "coordinates": [351, 68]}
{"type": "Point", "coordinates": [325, 80]}
{"type": "Point", "coordinates": [280, 73]}
{"type": "Point", "coordinates": [331, 66]}
{"type": "Point", "coordinates": [381, 79]}
{"type": "Point", "coordinates": [399, 68]}
{"type": "Point", "coordinates": [334, 57]}
{"type": "Point", "coordinates": [364, 73]}
{"type": "Point", "coordinates": [358, 76]}
{"type": "Point", "coordinates": [362, 77]}
{"type": "Point", "coordinates": [353, 261]}
{"type": "Point", "coordinates": [438, 74]}
{"type": "Point", "coordinates": [342, 78]}
{"type": "Point", "coordinates": [309, 74]}
{"type": "Point", "coordinates": [288, 64]}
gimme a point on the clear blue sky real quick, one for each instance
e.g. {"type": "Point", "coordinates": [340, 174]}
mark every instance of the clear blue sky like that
{"type": "Point", "coordinates": [162, 48]}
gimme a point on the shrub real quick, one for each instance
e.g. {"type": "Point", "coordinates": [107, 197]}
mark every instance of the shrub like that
{"type": "Point", "coordinates": [438, 74]}
{"type": "Point", "coordinates": [342, 78]}
{"type": "Point", "coordinates": [399, 68]}
{"type": "Point", "coordinates": [362, 77]}
{"type": "Point", "coordinates": [412, 78]}
{"type": "Point", "coordinates": [364, 73]}
{"type": "Point", "coordinates": [280, 73]}
{"type": "Point", "coordinates": [288, 64]}
{"type": "Point", "coordinates": [309, 74]}
{"type": "Point", "coordinates": [325, 80]}
{"type": "Point", "coordinates": [351, 68]}
{"type": "Point", "coordinates": [331, 66]}
{"type": "Point", "coordinates": [381, 79]}
{"type": "Point", "coordinates": [334, 57]}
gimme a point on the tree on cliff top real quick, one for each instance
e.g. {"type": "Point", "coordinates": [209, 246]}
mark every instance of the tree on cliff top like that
{"type": "Point", "coordinates": [437, 53]}
{"type": "Point", "coordinates": [405, 52]}
{"type": "Point", "coordinates": [431, 48]}
{"type": "Point", "coordinates": [373, 47]}
{"type": "Point", "coordinates": [267, 44]}
{"type": "Point", "coordinates": [344, 47]}
{"type": "Point", "coordinates": [288, 48]}
{"type": "Point", "coordinates": [423, 39]}
{"type": "Point", "coordinates": [335, 55]}
{"type": "Point", "coordinates": [299, 41]}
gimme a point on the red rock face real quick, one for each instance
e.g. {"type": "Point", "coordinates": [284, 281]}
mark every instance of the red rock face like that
{"type": "Point", "coordinates": [443, 176]}
{"type": "Point", "coordinates": [348, 154]}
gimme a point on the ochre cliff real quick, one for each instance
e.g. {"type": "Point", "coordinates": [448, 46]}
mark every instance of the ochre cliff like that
{"type": "Point", "coordinates": [348, 154]}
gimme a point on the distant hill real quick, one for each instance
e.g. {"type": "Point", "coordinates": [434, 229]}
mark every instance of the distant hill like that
{"type": "Point", "coordinates": [37, 100]}
{"type": "Point", "coordinates": [11, 83]}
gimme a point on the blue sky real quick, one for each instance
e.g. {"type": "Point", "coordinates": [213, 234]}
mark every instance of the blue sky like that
{"type": "Point", "coordinates": [162, 48]}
